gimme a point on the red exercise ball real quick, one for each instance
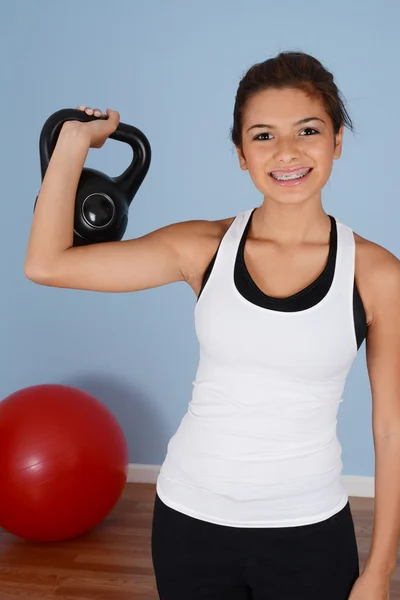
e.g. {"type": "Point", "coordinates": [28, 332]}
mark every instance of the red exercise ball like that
{"type": "Point", "coordinates": [64, 462]}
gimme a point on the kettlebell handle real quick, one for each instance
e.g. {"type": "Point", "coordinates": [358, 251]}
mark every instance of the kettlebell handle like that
{"type": "Point", "coordinates": [131, 179]}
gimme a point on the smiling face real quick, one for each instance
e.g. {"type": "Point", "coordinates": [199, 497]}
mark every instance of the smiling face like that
{"type": "Point", "coordinates": [285, 133]}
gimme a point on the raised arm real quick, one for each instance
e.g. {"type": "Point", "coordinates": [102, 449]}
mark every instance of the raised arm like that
{"type": "Point", "coordinates": [163, 256]}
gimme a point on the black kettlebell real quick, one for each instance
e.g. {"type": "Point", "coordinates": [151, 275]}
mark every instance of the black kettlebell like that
{"type": "Point", "coordinates": [102, 202]}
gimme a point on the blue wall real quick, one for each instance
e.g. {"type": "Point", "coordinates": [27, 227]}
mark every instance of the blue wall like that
{"type": "Point", "coordinates": [172, 68]}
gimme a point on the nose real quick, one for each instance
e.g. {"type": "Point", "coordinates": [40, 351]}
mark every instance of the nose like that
{"type": "Point", "coordinates": [286, 151]}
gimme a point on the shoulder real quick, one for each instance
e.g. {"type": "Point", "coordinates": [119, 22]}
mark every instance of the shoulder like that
{"type": "Point", "coordinates": [377, 276]}
{"type": "Point", "coordinates": [201, 229]}
{"type": "Point", "coordinates": [196, 242]}
{"type": "Point", "coordinates": [193, 236]}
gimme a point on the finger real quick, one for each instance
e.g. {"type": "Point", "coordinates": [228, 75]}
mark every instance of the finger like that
{"type": "Point", "coordinates": [95, 111]}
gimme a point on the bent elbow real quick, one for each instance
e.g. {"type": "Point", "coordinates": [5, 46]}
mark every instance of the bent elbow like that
{"type": "Point", "coordinates": [37, 273]}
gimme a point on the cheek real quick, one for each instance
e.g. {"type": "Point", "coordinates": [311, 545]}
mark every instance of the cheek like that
{"type": "Point", "coordinates": [258, 156]}
{"type": "Point", "coordinates": [324, 161]}
{"type": "Point", "coordinates": [322, 151]}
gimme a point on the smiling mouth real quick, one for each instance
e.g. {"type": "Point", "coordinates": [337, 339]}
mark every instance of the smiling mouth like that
{"type": "Point", "coordinates": [289, 176]}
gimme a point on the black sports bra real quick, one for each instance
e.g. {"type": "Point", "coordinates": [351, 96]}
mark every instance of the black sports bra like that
{"type": "Point", "coordinates": [301, 300]}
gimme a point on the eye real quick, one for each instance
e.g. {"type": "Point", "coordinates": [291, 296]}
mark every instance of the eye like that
{"type": "Point", "coordinates": [259, 137]}
{"type": "Point", "coordinates": [309, 129]}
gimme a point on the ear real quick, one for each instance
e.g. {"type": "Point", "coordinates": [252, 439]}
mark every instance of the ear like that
{"type": "Point", "coordinates": [338, 143]}
{"type": "Point", "coordinates": [242, 160]}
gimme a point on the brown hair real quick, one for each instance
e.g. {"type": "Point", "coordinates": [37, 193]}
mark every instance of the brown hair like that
{"type": "Point", "coordinates": [290, 70]}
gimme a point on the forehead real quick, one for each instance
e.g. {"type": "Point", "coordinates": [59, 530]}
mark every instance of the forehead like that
{"type": "Point", "coordinates": [280, 106]}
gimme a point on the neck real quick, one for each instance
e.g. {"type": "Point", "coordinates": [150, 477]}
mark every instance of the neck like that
{"type": "Point", "coordinates": [291, 224]}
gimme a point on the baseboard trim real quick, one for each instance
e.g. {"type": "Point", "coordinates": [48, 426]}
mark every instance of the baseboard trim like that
{"type": "Point", "coordinates": [356, 485]}
{"type": "Point", "coordinates": [143, 473]}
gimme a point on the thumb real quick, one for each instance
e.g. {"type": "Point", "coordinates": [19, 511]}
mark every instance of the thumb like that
{"type": "Point", "coordinates": [113, 118]}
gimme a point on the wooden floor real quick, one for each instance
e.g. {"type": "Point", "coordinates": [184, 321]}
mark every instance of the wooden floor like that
{"type": "Point", "coordinates": [114, 561]}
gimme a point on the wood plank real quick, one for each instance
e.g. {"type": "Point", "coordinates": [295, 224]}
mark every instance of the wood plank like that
{"type": "Point", "coordinates": [113, 562]}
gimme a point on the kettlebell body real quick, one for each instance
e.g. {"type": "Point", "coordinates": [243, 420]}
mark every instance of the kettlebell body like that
{"type": "Point", "coordinates": [102, 202]}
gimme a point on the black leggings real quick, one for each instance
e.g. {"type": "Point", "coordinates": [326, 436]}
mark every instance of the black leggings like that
{"type": "Point", "coordinates": [197, 560]}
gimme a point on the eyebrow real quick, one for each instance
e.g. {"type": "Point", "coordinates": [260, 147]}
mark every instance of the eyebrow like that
{"type": "Point", "coordinates": [301, 122]}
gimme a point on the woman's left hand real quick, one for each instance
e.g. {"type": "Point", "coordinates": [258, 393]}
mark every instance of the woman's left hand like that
{"type": "Point", "coordinates": [370, 586]}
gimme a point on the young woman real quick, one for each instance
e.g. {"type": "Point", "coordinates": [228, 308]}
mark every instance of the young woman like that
{"type": "Point", "coordinates": [250, 503]}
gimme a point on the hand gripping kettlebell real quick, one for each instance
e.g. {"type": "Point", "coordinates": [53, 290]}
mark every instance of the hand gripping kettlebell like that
{"type": "Point", "coordinates": [102, 202]}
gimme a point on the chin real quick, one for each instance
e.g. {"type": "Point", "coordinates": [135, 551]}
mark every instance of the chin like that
{"type": "Point", "coordinates": [292, 196]}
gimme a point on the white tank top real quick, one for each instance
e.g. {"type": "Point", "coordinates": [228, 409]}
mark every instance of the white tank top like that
{"type": "Point", "coordinates": [258, 445]}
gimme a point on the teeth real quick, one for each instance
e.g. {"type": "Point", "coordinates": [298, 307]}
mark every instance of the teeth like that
{"type": "Point", "coordinates": [288, 176]}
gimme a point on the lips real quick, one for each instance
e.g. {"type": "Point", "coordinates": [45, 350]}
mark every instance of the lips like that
{"type": "Point", "coordinates": [283, 174]}
{"type": "Point", "coordinates": [292, 178]}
